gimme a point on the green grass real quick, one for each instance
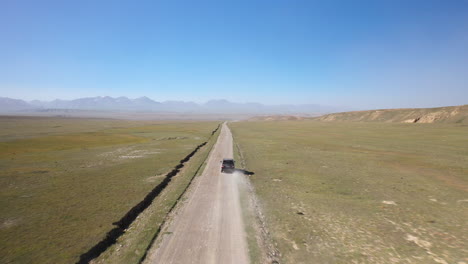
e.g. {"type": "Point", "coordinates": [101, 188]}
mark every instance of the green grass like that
{"type": "Point", "coordinates": [361, 192]}
{"type": "Point", "coordinates": [85, 140]}
{"type": "Point", "coordinates": [65, 181]}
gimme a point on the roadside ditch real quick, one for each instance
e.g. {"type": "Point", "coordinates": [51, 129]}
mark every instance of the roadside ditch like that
{"type": "Point", "coordinates": [126, 221]}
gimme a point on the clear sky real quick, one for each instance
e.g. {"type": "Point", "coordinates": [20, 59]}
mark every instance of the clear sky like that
{"type": "Point", "coordinates": [362, 54]}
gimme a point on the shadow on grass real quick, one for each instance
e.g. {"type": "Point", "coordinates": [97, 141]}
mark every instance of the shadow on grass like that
{"type": "Point", "coordinates": [245, 172]}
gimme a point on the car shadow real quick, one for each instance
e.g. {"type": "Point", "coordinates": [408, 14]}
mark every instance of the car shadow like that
{"type": "Point", "coordinates": [245, 172]}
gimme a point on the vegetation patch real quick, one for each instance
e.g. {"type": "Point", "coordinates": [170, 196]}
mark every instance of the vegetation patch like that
{"type": "Point", "coordinates": [65, 142]}
{"type": "Point", "coordinates": [61, 198]}
{"type": "Point", "coordinates": [360, 192]}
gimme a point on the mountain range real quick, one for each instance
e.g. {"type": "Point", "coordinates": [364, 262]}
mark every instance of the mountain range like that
{"type": "Point", "coordinates": [145, 104]}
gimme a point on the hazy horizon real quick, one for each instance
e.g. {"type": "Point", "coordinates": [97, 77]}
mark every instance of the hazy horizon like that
{"type": "Point", "coordinates": [375, 54]}
{"type": "Point", "coordinates": [222, 103]}
{"type": "Point", "coordinates": [137, 97]}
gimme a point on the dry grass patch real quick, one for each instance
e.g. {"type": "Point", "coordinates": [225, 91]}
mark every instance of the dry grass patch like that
{"type": "Point", "coordinates": [65, 181]}
{"type": "Point", "coordinates": [361, 192]}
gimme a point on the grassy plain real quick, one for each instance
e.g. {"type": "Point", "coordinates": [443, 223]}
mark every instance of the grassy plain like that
{"type": "Point", "coordinates": [63, 182]}
{"type": "Point", "coordinates": [361, 192]}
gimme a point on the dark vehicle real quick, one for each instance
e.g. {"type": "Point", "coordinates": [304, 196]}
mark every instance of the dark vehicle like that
{"type": "Point", "coordinates": [227, 165]}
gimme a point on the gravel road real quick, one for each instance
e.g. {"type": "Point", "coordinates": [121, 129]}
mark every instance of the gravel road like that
{"type": "Point", "coordinates": [208, 226]}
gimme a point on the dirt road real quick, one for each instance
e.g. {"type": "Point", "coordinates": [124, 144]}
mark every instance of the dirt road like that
{"type": "Point", "coordinates": [208, 226]}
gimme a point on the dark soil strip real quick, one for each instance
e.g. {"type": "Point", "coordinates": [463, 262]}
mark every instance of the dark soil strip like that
{"type": "Point", "coordinates": [133, 213]}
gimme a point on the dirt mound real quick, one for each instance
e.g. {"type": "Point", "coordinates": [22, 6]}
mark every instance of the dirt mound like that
{"type": "Point", "coordinates": [276, 118]}
{"type": "Point", "coordinates": [450, 114]}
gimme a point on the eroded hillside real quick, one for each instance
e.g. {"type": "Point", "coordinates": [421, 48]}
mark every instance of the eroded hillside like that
{"type": "Point", "coordinates": [450, 114]}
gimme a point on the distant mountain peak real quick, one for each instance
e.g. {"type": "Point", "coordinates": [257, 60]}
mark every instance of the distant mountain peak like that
{"type": "Point", "coordinates": [144, 103]}
{"type": "Point", "coordinates": [143, 98]}
{"type": "Point", "coordinates": [218, 101]}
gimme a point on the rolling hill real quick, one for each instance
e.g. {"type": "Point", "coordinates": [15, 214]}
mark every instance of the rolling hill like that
{"type": "Point", "coordinates": [449, 114]}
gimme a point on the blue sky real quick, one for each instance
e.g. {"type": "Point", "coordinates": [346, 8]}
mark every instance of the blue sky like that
{"type": "Point", "coordinates": [361, 54]}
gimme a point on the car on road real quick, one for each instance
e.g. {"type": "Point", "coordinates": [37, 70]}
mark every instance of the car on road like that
{"type": "Point", "coordinates": [227, 165]}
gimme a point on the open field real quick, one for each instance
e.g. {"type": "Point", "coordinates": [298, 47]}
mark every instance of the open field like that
{"type": "Point", "coordinates": [65, 181]}
{"type": "Point", "coordinates": [361, 192]}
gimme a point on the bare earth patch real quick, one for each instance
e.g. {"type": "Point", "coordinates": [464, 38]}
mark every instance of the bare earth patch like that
{"type": "Point", "coordinates": [8, 223]}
